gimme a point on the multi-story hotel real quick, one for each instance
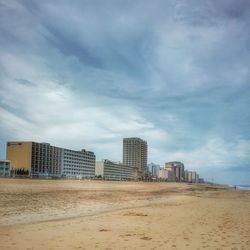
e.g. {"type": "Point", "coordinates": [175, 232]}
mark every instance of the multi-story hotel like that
{"type": "Point", "coordinates": [42, 159]}
{"type": "Point", "coordinates": [45, 159]}
{"type": "Point", "coordinates": [191, 176]}
{"type": "Point", "coordinates": [4, 168]}
{"type": "Point", "coordinates": [79, 164]}
{"type": "Point", "coordinates": [110, 170]}
{"type": "Point", "coordinates": [176, 170]}
{"type": "Point", "coordinates": [135, 153]}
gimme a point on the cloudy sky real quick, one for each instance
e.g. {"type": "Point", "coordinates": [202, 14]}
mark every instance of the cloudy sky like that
{"type": "Point", "coordinates": [85, 74]}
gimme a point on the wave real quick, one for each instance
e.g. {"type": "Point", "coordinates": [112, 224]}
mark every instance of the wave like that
{"type": "Point", "coordinates": [243, 187]}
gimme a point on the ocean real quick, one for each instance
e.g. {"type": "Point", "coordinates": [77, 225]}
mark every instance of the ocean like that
{"type": "Point", "coordinates": [243, 187]}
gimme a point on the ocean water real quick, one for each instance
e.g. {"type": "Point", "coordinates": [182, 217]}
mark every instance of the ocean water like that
{"type": "Point", "coordinates": [243, 187]}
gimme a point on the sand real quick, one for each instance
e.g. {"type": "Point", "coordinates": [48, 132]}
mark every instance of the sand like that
{"type": "Point", "coordinates": [66, 214]}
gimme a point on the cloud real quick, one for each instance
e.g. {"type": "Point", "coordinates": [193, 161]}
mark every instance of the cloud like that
{"type": "Point", "coordinates": [219, 160]}
{"type": "Point", "coordinates": [215, 152]}
{"type": "Point", "coordinates": [88, 73]}
{"type": "Point", "coordinates": [53, 112]}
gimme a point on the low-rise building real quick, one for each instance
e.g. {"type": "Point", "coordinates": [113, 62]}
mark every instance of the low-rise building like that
{"type": "Point", "coordinates": [5, 168]}
{"type": "Point", "coordinates": [201, 180]}
{"type": "Point", "coordinates": [110, 170]}
{"type": "Point", "coordinates": [43, 160]}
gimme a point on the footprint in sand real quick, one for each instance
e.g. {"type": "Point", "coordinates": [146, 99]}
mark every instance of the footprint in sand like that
{"type": "Point", "coordinates": [104, 230]}
{"type": "Point", "coordinates": [146, 238]}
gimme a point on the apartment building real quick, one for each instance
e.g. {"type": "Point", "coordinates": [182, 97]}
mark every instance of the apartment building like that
{"type": "Point", "coordinates": [176, 170]}
{"type": "Point", "coordinates": [5, 168]}
{"type": "Point", "coordinates": [45, 159]}
{"type": "Point", "coordinates": [42, 159]}
{"type": "Point", "coordinates": [192, 177]}
{"type": "Point", "coordinates": [110, 170]}
{"type": "Point", "coordinates": [135, 153]}
{"type": "Point", "coordinates": [79, 164]}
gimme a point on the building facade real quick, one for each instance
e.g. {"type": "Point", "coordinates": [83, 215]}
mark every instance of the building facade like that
{"type": "Point", "coordinates": [5, 168]}
{"type": "Point", "coordinates": [177, 170]}
{"type": "Point", "coordinates": [110, 170]}
{"type": "Point", "coordinates": [153, 169]}
{"type": "Point", "coordinates": [78, 164]}
{"type": "Point", "coordinates": [163, 174]}
{"type": "Point", "coordinates": [135, 153]}
{"type": "Point", "coordinates": [20, 155]}
{"type": "Point", "coordinates": [42, 159]}
{"type": "Point", "coordinates": [45, 160]}
{"type": "Point", "coordinates": [192, 177]}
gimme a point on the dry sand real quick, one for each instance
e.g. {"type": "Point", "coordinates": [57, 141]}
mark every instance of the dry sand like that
{"type": "Point", "coordinates": [63, 214]}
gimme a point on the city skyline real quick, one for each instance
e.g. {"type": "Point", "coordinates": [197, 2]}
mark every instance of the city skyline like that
{"type": "Point", "coordinates": [87, 74]}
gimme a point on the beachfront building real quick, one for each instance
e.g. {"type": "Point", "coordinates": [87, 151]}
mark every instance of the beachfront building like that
{"type": "Point", "coordinates": [197, 178]}
{"type": "Point", "coordinates": [162, 174]}
{"type": "Point", "coordinates": [153, 169]}
{"type": "Point", "coordinates": [44, 160]}
{"type": "Point", "coordinates": [78, 164]}
{"type": "Point", "coordinates": [110, 170]}
{"type": "Point", "coordinates": [135, 153]}
{"type": "Point", "coordinates": [192, 177]}
{"type": "Point", "coordinates": [176, 171]}
{"type": "Point", "coordinates": [201, 180]}
{"type": "Point", "coordinates": [5, 168]}
{"type": "Point", "coordinates": [186, 175]}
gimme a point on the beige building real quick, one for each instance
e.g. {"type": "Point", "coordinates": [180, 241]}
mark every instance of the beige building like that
{"type": "Point", "coordinates": [20, 155]}
{"type": "Point", "coordinates": [42, 159]}
{"type": "Point", "coordinates": [192, 176]}
{"type": "Point", "coordinates": [135, 153]}
{"type": "Point", "coordinates": [37, 158]}
{"type": "Point", "coordinates": [110, 170]}
{"type": "Point", "coordinates": [176, 170]}
{"type": "Point", "coordinates": [163, 174]}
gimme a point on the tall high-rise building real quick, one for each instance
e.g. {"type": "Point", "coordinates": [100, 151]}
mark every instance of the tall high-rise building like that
{"type": "Point", "coordinates": [135, 153]}
{"type": "Point", "coordinates": [40, 159]}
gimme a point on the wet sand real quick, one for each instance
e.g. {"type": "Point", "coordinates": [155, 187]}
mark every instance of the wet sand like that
{"type": "Point", "coordinates": [64, 214]}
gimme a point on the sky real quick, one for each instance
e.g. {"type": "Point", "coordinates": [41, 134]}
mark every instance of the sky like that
{"type": "Point", "coordinates": [87, 73]}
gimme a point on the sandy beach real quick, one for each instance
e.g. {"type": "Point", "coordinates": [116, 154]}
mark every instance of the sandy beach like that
{"type": "Point", "coordinates": [67, 214]}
